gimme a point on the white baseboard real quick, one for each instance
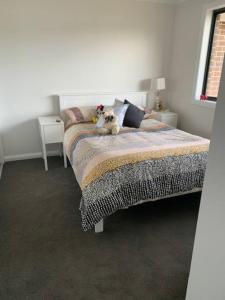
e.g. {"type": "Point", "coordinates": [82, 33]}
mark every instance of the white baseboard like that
{"type": "Point", "coordinates": [29, 155]}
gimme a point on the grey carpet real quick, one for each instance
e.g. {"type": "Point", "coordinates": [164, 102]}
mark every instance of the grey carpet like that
{"type": "Point", "coordinates": [144, 253]}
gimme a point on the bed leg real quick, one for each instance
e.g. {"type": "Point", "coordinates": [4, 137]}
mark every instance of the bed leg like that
{"type": "Point", "coordinates": [99, 227]}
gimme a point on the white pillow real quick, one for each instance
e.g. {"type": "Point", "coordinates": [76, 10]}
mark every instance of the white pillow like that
{"type": "Point", "coordinates": [117, 102]}
{"type": "Point", "coordinates": [120, 111]}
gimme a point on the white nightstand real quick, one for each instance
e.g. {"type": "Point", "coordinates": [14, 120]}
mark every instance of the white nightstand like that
{"type": "Point", "coordinates": [51, 131]}
{"type": "Point", "coordinates": [167, 117]}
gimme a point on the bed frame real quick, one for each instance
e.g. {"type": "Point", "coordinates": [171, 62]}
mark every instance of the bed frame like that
{"type": "Point", "coordinates": [94, 99]}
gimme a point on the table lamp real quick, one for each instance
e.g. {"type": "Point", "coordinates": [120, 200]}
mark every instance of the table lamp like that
{"type": "Point", "coordinates": [158, 84]}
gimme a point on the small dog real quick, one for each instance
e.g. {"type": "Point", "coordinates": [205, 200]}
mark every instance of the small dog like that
{"type": "Point", "coordinates": [111, 124]}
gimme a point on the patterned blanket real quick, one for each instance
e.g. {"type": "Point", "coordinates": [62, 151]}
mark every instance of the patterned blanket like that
{"type": "Point", "coordinates": [115, 172]}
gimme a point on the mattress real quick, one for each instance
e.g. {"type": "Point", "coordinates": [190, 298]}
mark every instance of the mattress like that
{"type": "Point", "coordinates": [115, 172]}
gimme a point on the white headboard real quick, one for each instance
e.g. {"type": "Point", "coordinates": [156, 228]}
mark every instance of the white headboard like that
{"type": "Point", "coordinates": [89, 99]}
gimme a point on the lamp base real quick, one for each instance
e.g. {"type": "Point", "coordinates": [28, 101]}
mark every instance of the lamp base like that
{"type": "Point", "coordinates": [158, 104]}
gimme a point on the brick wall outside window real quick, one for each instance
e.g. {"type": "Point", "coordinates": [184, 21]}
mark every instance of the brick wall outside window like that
{"type": "Point", "coordinates": [217, 56]}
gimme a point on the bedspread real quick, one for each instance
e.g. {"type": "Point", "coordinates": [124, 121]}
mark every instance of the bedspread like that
{"type": "Point", "coordinates": [116, 172]}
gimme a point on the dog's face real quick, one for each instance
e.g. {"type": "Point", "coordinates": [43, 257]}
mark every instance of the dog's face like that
{"type": "Point", "coordinates": [109, 116]}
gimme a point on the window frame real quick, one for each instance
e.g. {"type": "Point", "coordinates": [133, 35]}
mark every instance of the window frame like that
{"type": "Point", "coordinates": [216, 12]}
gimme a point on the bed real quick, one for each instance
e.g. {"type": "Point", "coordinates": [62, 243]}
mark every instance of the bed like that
{"type": "Point", "coordinates": [138, 165]}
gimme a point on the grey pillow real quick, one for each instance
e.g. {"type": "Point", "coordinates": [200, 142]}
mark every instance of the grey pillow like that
{"type": "Point", "coordinates": [133, 116]}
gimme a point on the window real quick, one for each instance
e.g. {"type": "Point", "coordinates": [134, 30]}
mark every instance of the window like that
{"type": "Point", "coordinates": [215, 56]}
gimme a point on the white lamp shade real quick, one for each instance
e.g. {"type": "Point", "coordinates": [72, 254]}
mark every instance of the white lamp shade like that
{"type": "Point", "coordinates": [158, 84]}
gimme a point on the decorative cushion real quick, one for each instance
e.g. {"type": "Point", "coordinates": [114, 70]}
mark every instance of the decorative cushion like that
{"type": "Point", "coordinates": [120, 110]}
{"type": "Point", "coordinates": [80, 114]}
{"type": "Point", "coordinates": [148, 112]}
{"type": "Point", "coordinates": [151, 115]}
{"type": "Point", "coordinates": [133, 116]}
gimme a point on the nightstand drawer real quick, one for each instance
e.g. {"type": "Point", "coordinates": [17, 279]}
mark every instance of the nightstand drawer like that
{"type": "Point", "coordinates": [53, 133]}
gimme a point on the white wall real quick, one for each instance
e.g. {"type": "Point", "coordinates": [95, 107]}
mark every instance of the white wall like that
{"type": "Point", "coordinates": [208, 264]}
{"type": "Point", "coordinates": [188, 34]}
{"type": "Point", "coordinates": [52, 46]}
